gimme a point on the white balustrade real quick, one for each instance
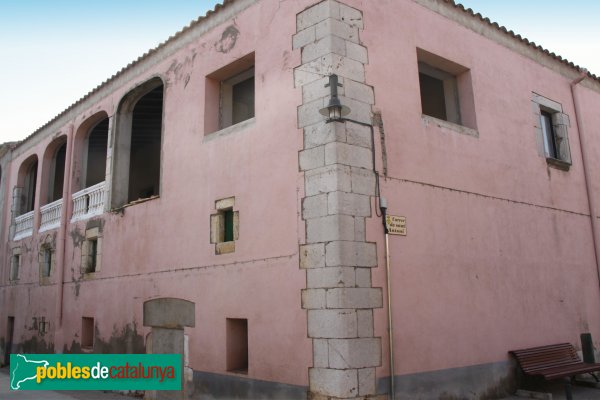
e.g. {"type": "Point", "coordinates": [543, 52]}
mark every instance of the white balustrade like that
{"type": "Point", "coordinates": [23, 225]}
{"type": "Point", "coordinates": [88, 202]}
{"type": "Point", "coordinates": [51, 213]}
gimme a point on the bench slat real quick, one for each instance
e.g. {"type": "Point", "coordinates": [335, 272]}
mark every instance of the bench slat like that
{"type": "Point", "coordinates": [553, 361]}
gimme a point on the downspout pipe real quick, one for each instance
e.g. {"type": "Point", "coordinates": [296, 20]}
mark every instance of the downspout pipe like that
{"type": "Point", "coordinates": [586, 174]}
{"type": "Point", "coordinates": [62, 234]}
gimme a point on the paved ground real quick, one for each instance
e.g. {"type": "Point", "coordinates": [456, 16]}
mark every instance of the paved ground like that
{"type": "Point", "coordinates": [557, 390]}
{"type": "Point", "coordinates": [6, 393]}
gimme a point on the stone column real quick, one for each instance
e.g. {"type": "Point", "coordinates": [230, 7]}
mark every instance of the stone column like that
{"type": "Point", "coordinates": [168, 317]}
{"type": "Point", "coordinates": [339, 183]}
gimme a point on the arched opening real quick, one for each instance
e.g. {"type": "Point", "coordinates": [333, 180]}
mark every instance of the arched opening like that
{"type": "Point", "coordinates": [138, 144]}
{"type": "Point", "coordinates": [95, 154]}
{"type": "Point", "coordinates": [57, 173]}
{"type": "Point", "coordinates": [27, 184]}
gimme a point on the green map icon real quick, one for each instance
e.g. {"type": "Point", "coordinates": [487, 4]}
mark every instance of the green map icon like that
{"type": "Point", "coordinates": [23, 368]}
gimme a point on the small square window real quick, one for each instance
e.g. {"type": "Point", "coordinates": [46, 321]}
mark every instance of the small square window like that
{"type": "Point", "coordinates": [445, 89]}
{"type": "Point", "coordinates": [87, 333]}
{"type": "Point", "coordinates": [237, 345]}
{"type": "Point", "coordinates": [224, 226]}
{"type": "Point", "coordinates": [15, 263]}
{"type": "Point", "coordinates": [551, 125]}
{"type": "Point", "coordinates": [230, 95]}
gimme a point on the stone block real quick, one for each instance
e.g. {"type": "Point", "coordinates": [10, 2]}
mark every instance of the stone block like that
{"type": "Point", "coordinates": [366, 382]}
{"type": "Point", "coordinates": [322, 133]}
{"type": "Point", "coordinates": [358, 135]}
{"type": "Point", "coordinates": [225, 204]}
{"type": "Point", "coordinates": [320, 353]}
{"type": "Point", "coordinates": [359, 110]}
{"type": "Point", "coordinates": [328, 179]}
{"type": "Point", "coordinates": [316, 13]}
{"type": "Point", "coordinates": [312, 256]}
{"type": "Point", "coordinates": [350, 253]}
{"type": "Point", "coordinates": [349, 204]}
{"type": "Point", "coordinates": [311, 158]}
{"type": "Point", "coordinates": [337, 324]}
{"type": "Point", "coordinates": [308, 113]}
{"type": "Point", "coordinates": [350, 16]}
{"type": "Point", "coordinates": [313, 298]}
{"type": "Point", "coordinates": [356, 52]}
{"type": "Point", "coordinates": [224, 248]}
{"type": "Point", "coordinates": [359, 229]}
{"type": "Point", "coordinates": [363, 277]}
{"type": "Point", "coordinates": [347, 154]}
{"type": "Point", "coordinates": [323, 46]}
{"type": "Point", "coordinates": [354, 353]}
{"type": "Point", "coordinates": [354, 298]}
{"type": "Point", "coordinates": [314, 206]}
{"type": "Point", "coordinates": [334, 382]}
{"type": "Point", "coordinates": [168, 312]}
{"type": "Point", "coordinates": [331, 227]}
{"type": "Point", "coordinates": [318, 90]}
{"type": "Point", "coordinates": [363, 181]}
{"type": "Point", "coordinates": [364, 320]}
{"type": "Point", "coordinates": [359, 91]}
{"type": "Point", "coordinates": [334, 27]}
{"type": "Point", "coordinates": [330, 277]}
{"type": "Point", "coordinates": [327, 65]}
{"type": "Point", "coordinates": [304, 37]}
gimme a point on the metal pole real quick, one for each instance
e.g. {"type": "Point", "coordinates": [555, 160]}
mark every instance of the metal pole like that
{"type": "Point", "coordinates": [390, 325]}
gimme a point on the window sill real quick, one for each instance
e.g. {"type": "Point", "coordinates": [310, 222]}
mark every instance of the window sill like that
{"type": "Point", "coordinates": [559, 164]}
{"type": "Point", "coordinates": [133, 203]}
{"type": "Point", "coordinates": [224, 248]}
{"type": "Point", "coordinates": [427, 120]}
{"type": "Point", "coordinates": [240, 126]}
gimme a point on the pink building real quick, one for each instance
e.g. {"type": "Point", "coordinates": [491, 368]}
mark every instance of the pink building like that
{"type": "Point", "coordinates": [202, 193]}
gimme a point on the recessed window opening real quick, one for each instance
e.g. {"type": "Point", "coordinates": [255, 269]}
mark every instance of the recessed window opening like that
{"type": "Point", "coordinates": [445, 89]}
{"type": "Point", "coordinates": [95, 165]}
{"type": "Point", "coordinates": [548, 133]}
{"type": "Point", "coordinates": [237, 345]}
{"type": "Point", "coordinates": [230, 95]}
{"type": "Point", "coordinates": [92, 255]}
{"type": "Point", "coordinates": [87, 332]}
{"type": "Point", "coordinates": [138, 144]}
{"type": "Point", "coordinates": [228, 225]}
{"type": "Point", "coordinates": [46, 262]}
{"type": "Point", "coordinates": [15, 262]}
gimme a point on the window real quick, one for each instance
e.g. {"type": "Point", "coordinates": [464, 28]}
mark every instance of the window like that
{"type": "Point", "coordinates": [224, 226]}
{"type": "Point", "coordinates": [445, 89]}
{"type": "Point", "coordinates": [230, 95]}
{"type": "Point", "coordinates": [87, 333]}
{"type": "Point", "coordinates": [237, 345]}
{"type": "Point", "coordinates": [46, 262]}
{"type": "Point", "coordinates": [138, 142]}
{"type": "Point", "coordinates": [551, 126]}
{"type": "Point", "coordinates": [91, 251]}
{"type": "Point", "coordinates": [15, 263]}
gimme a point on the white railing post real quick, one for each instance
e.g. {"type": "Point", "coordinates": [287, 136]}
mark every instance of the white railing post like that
{"type": "Point", "coordinates": [23, 225]}
{"type": "Point", "coordinates": [88, 202]}
{"type": "Point", "coordinates": [51, 215]}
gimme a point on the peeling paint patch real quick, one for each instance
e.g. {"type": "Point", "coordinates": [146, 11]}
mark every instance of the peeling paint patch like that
{"type": "Point", "coordinates": [228, 39]}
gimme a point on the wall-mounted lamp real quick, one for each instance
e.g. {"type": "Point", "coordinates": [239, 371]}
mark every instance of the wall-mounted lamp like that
{"type": "Point", "coordinates": [334, 110]}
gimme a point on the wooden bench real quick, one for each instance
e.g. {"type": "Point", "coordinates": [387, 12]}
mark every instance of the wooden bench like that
{"type": "Point", "coordinates": [556, 361]}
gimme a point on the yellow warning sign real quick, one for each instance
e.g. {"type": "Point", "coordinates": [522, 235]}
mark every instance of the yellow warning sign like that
{"type": "Point", "coordinates": [396, 225]}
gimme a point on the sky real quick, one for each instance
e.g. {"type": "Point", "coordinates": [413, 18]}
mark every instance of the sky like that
{"type": "Point", "coordinates": [53, 52]}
